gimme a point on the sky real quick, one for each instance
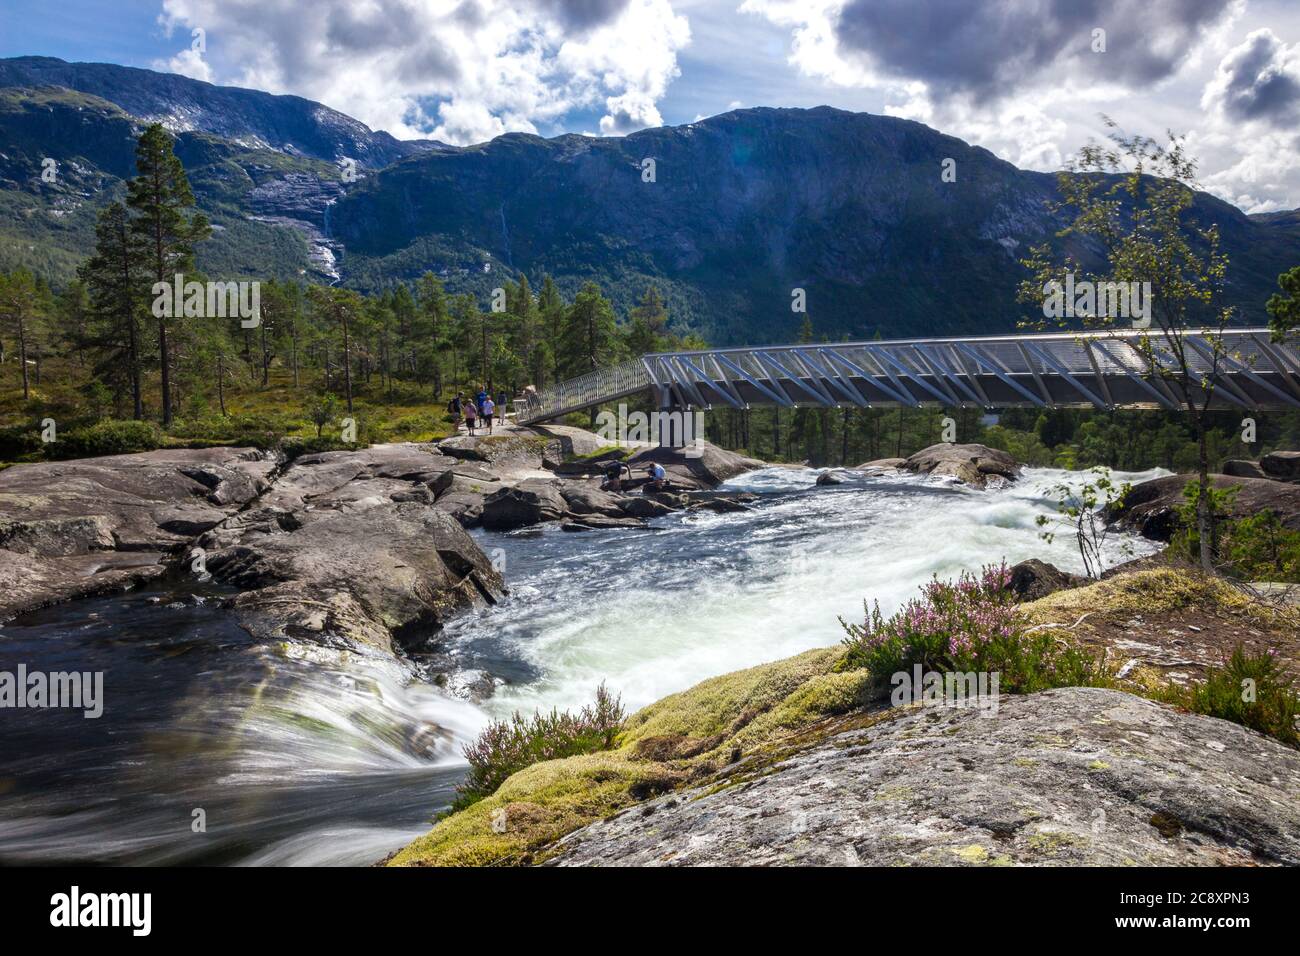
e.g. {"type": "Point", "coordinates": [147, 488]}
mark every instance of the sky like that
{"type": "Point", "coordinates": [1026, 79]}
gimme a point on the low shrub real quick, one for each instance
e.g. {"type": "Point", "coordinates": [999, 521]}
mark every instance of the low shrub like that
{"type": "Point", "coordinates": [109, 437]}
{"type": "Point", "coordinates": [258, 431]}
{"type": "Point", "coordinates": [1253, 690]}
{"type": "Point", "coordinates": [411, 428]}
{"type": "Point", "coordinates": [970, 624]}
{"type": "Point", "coordinates": [294, 447]}
{"type": "Point", "coordinates": [19, 441]}
{"type": "Point", "coordinates": [1256, 547]}
{"type": "Point", "coordinates": [1260, 548]}
{"type": "Point", "coordinates": [1186, 540]}
{"type": "Point", "coordinates": [508, 746]}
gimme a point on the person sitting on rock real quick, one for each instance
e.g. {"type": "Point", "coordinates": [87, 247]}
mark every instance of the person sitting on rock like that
{"type": "Point", "coordinates": [613, 477]}
{"type": "Point", "coordinates": [656, 481]}
{"type": "Point", "coordinates": [471, 416]}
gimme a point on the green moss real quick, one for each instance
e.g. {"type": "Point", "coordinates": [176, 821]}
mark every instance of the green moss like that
{"type": "Point", "coordinates": [673, 741]}
{"type": "Point", "coordinates": [725, 705]}
{"type": "Point", "coordinates": [537, 806]}
{"type": "Point", "coordinates": [1051, 842]}
{"type": "Point", "coordinates": [611, 451]}
{"type": "Point", "coordinates": [1148, 592]}
{"type": "Point", "coordinates": [971, 854]}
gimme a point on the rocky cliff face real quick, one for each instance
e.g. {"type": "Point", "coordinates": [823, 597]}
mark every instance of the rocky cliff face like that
{"type": "Point", "coordinates": [250, 118]}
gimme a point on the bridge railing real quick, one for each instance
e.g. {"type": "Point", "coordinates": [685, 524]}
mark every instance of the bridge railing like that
{"type": "Point", "coordinates": [602, 385]}
{"type": "Point", "coordinates": [1103, 369]}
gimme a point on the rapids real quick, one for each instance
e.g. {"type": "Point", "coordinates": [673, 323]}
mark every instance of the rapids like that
{"type": "Point", "coordinates": [300, 754]}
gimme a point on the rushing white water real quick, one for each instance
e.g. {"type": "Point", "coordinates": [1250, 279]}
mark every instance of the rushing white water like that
{"type": "Point", "coordinates": [213, 748]}
{"type": "Point", "coordinates": [654, 612]}
{"type": "Point", "coordinates": [298, 753]}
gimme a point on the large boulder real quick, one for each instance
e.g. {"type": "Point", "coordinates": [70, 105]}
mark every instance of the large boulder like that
{"type": "Point", "coordinates": [1034, 579]}
{"type": "Point", "coordinates": [465, 506]}
{"type": "Point", "coordinates": [465, 477]}
{"type": "Point", "coordinates": [569, 443]}
{"type": "Point", "coordinates": [503, 453]}
{"type": "Point", "coordinates": [882, 464]}
{"type": "Point", "coordinates": [1151, 507]}
{"type": "Point", "coordinates": [404, 566]}
{"type": "Point", "coordinates": [832, 477]}
{"type": "Point", "coordinates": [640, 506]}
{"type": "Point", "coordinates": [972, 464]}
{"type": "Point", "coordinates": [530, 502]}
{"type": "Point", "coordinates": [583, 498]}
{"type": "Point", "coordinates": [1074, 777]}
{"type": "Point", "coordinates": [703, 465]}
{"type": "Point", "coordinates": [1243, 468]}
{"type": "Point", "coordinates": [1281, 465]}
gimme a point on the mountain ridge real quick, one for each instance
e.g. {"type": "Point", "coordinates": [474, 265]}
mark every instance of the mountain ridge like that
{"type": "Point", "coordinates": [742, 208]}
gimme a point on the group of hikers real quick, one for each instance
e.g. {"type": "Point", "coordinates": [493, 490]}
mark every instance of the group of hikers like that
{"type": "Point", "coordinates": [478, 412]}
{"type": "Point", "coordinates": [481, 410]}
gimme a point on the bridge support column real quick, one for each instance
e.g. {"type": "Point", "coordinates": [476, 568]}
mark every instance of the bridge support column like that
{"type": "Point", "coordinates": [676, 426]}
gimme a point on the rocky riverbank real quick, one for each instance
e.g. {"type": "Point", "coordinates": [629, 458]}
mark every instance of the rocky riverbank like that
{"type": "Point", "coordinates": [1151, 508]}
{"type": "Point", "coordinates": [358, 547]}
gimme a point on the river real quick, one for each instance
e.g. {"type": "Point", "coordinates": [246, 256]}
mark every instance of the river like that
{"type": "Point", "coordinates": [214, 749]}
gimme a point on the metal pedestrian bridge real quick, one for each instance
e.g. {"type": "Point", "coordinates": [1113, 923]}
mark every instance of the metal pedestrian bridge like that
{"type": "Point", "coordinates": [1108, 369]}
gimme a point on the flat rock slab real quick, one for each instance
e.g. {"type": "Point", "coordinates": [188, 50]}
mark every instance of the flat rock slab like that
{"type": "Point", "coordinates": [1069, 777]}
{"type": "Point", "coordinates": [61, 522]}
{"type": "Point", "coordinates": [28, 583]}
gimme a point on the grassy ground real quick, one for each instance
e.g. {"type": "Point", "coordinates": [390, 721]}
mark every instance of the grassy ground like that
{"type": "Point", "coordinates": [734, 727]}
{"type": "Point", "coordinates": [253, 413]}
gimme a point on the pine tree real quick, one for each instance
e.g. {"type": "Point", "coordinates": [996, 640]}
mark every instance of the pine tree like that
{"type": "Point", "coordinates": [649, 324]}
{"type": "Point", "coordinates": [72, 306]}
{"type": "Point", "coordinates": [431, 328]}
{"type": "Point", "coordinates": [339, 309]}
{"type": "Point", "coordinates": [589, 338]}
{"type": "Point", "coordinates": [19, 302]}
{"type": "Point", "coordinates": [551, 309]}
{"type": "Point", "coordinates": [525, 329]}
{"type": "Point", "coordinates": [113, 278]}
{"type": "Point", "coordinates": [160, 197]}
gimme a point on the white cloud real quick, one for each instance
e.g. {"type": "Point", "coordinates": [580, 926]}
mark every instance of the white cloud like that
{"type": "Point", "coordinates": [629, 112]}
{"type": "Point", "coordinates": [458, 70]}
{"type": "Point", "coordinates": [1258, 80]}
{"type": "Point", "coordinates": [188, 63]}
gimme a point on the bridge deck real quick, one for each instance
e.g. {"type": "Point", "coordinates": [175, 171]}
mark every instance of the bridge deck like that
{"type": "Point", "coordinates": [1110, 369]}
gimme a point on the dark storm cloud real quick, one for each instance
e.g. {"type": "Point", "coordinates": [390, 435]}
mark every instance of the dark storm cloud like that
{"type": "Point", "coordinates": [990, 47]}
{"type": "Point", "coordinates": [392, 29]}
{"type": "Point", "coordinates": [1254, 84]}
{"type": "Point", "coordinates": [583, 14]}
